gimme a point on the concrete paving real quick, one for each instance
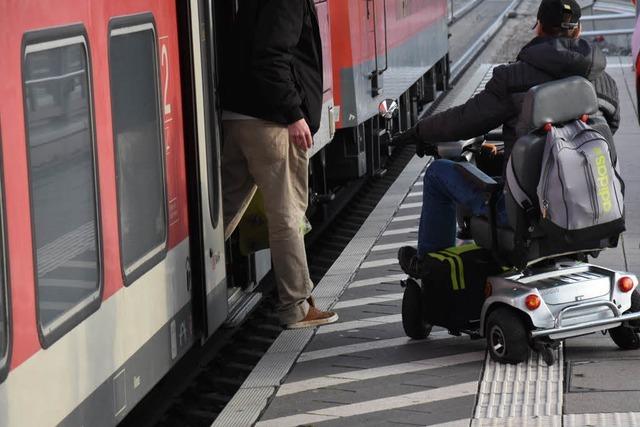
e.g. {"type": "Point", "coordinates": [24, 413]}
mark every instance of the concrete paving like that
{"type": "Point", "coordinates": [600, 377]}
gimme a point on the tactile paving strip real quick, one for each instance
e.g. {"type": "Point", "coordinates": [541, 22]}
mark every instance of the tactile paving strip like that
{"type": "Point", "coordinates": [525, 391]}
{"type": "Point", "coordinates": [612, 419]}
{"type": "Point", "coordinates": [554, 421]}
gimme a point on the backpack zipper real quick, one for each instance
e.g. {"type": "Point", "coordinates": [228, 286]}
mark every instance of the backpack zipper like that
{"type": "Point", "coordinates": [591, 180]}
{"type": "Point", "coordinates": [545, 201]}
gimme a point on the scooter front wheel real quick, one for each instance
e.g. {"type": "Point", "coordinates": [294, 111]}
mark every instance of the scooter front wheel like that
{"type": "Point", "coordinates": [507, 337]}
{"type": "Point", "coordinates": [412, 316]}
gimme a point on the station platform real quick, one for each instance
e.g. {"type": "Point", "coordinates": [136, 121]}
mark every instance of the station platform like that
{"type": "Point", "coordinates": [363, 370]}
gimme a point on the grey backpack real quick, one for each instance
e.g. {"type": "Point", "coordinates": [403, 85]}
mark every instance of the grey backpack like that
{"type": "Point", "coordinates": [580, 192]}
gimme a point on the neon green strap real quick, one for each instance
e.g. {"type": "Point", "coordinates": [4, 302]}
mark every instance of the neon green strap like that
{"type": "Point", "coordinates": [454, 276]}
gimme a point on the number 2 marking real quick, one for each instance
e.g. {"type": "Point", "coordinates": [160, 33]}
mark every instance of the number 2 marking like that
{"type": "Point", "coordinates": [164, 62]}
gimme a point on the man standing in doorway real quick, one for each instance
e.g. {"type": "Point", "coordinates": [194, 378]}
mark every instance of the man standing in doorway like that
{"type": "Point", "coordinates": [272, 97]}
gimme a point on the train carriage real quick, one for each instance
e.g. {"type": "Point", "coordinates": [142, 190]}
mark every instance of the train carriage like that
{"type": "Point", "coordinates": [112, 257]}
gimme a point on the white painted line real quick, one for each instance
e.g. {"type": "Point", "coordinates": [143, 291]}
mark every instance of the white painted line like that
{"type": "Point", "coordinates": [419, 184]}
{"type": "Point", "coordinates": [369, 300]}
{"type": "Point", "coordinates": [379, 263]}
{"type": "Point", "coordinates": [415, 194]}
{"type": "Point", "coordinates": [376, 405]}
{"type": "Point", "coordinates": [357, 324]}
{"type": "Point", "coordinates": [610, 419]}
{"type": "Point", "coordinates": [378, 372]}
{"type": "Point", "coordinates": [400, 231]}
{"type": "Point", "coordinates": [366, 346]}
{"type": "Point", "coordinates": [405, 218]}
{"type": "Point", "coordinates": [391, 278]}
{"type": "Point", "coordinates": [389, 246]}
{"type": "Point", "coordinates": [411, 205]}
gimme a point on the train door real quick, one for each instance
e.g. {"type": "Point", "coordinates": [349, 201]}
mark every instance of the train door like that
{"type": "Point", "coordinates": [202, 134]}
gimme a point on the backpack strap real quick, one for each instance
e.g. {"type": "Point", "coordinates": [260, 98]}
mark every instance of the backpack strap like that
{"type": "Point", "coordinates": [519, 195]}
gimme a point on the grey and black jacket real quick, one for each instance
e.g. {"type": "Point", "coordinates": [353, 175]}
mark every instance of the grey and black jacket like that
{"type": "Point", "coordinates": [542, 60]}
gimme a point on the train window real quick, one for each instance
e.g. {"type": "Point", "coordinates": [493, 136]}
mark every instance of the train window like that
{"type": "Point", "coordinates": [62, 178]}
{"type": "Point", "coordinates": [135, 104]}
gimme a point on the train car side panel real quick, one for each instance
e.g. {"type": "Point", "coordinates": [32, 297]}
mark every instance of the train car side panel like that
{"type": "Point", "coordinates": [99, 369]}
{"type": "Point", "coordinates": [394, 41]}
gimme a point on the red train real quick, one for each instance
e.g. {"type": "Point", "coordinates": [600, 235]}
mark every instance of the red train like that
{"type": "Point", "coordinates": [112, 254]}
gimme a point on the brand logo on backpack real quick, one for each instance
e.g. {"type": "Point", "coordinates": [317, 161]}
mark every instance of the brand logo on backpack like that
{"type": "Point", "coordinates": [602, 183]}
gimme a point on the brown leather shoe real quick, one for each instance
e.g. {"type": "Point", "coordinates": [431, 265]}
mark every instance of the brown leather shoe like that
{"type": "Point", "coordinates": [313, 318]}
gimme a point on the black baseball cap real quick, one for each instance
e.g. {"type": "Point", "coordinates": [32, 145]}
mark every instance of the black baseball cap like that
{"type": "Point", "coordinates": [559, 14]}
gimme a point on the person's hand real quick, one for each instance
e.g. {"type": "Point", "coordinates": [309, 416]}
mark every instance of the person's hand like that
{"type": "Point", "coordinates": [411, 136]}
{"type": "Point", "coordinates": [407, 137]}
{"type": "Point", "coordinates": [300, 134]}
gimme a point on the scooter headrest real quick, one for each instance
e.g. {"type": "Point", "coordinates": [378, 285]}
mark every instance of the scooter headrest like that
{"type": "Point", "coordinates": [557, 102]}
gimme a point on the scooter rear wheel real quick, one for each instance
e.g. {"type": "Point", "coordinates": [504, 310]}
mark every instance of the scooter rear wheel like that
{"type": "Point", "coordinates": [625, 337]}
{"type": "Point", "coordinates": [507, 338]}
{"type": "Point", "coordinates": [412, 316]}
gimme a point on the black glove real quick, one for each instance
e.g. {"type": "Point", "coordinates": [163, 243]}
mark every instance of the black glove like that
{"type": "Point", "coordinates": [411, 136]}
{"type": "Point", "coordinates": [407, 137]}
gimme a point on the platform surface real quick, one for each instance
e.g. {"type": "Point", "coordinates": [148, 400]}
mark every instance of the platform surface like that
{"type": "Point", "coordinates": [364, 371]}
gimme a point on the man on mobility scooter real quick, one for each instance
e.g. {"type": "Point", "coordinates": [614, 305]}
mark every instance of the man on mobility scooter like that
{"type": "Point", "coordinates": [550, 294]}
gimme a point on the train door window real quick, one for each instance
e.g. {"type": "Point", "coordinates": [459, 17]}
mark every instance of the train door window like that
{"type": "Point", "coordinates": [4, 297]}
{"type": "Point", "coordinates": [62, 177]}
{"type": "Point", "coordinates": [135, 104]}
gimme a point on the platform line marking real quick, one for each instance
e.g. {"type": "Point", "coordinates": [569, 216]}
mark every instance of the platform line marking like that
{"type": "Point", "coordinates": [400, 231]}
{"type": "Point", "coordinates": [405, 218]}
{"type": "Point", "coordinates": [367, 300]}
{"type": "Point", "coordinates": [363, 323]}
{"type": "Point", "coordinates": [415, 194]}
{"type": "Point", "coordinates": [379, 263]}
{"type": "Point", "coordinates": [376, 405]}
{"type": "Point", "coordinates": [411, 205]}
{"type": "Point", "coordinates": [389, 246]}
{"type": "Point", "coordinates": [419, 184]}
{"type": "Point", "coordinates": [366, 346]}
{"type": "Point", "coordinates": [377, 280]}
{"type": "Point", "coordinates": [378, 372]}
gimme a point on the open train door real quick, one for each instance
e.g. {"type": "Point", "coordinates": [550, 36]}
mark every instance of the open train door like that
{"type": "Point", "coordinates": [202, 138]}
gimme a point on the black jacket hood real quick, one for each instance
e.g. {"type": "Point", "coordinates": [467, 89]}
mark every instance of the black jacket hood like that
{"type": "Point", "coordinates": [563, 57]}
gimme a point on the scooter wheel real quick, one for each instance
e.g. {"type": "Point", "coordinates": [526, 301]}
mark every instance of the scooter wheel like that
{"type": "Point", "coordinates": [412, 316]}
{"type": "Point", "coordinates": [507, 338]}
{"type": "Point", "coordinates": [625, 337]}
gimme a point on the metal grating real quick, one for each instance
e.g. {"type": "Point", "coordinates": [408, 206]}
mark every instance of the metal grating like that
{"type": "Point", "coordinates": [331, 286]}
{"type": "Point", "coordinates": [271, 369]}
{"type": "Point", "coordinates": [241, 409]}
{"type": "Point", "coordinates": [526, 390]}
{"type": "Point", "coordinates": [291, 341]}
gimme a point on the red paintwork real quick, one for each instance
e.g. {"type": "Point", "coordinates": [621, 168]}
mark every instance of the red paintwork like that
{"type": "Point", "coordinates": [322, 9]}
{"type": "Point", "coordinates": [16, 18]}
{"type": "Point", "coordinates": [352, 27]}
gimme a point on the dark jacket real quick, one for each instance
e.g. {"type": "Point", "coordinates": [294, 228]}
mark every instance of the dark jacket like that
{"type": "Point", "coordinates": [273, 62]}
{"type": "Point", "coordinates": [542, 60]}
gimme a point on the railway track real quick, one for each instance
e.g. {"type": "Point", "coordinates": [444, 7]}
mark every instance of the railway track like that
{"type": "Point", "coordinates": [196, 391]}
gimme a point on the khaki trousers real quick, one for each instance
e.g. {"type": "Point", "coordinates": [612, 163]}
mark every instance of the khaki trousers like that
{"type": "Point", "coordinates": [258, 154]}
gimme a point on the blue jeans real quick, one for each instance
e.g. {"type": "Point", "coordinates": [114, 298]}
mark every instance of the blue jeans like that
{"type": "Point", "coordinates": [444, 188]}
